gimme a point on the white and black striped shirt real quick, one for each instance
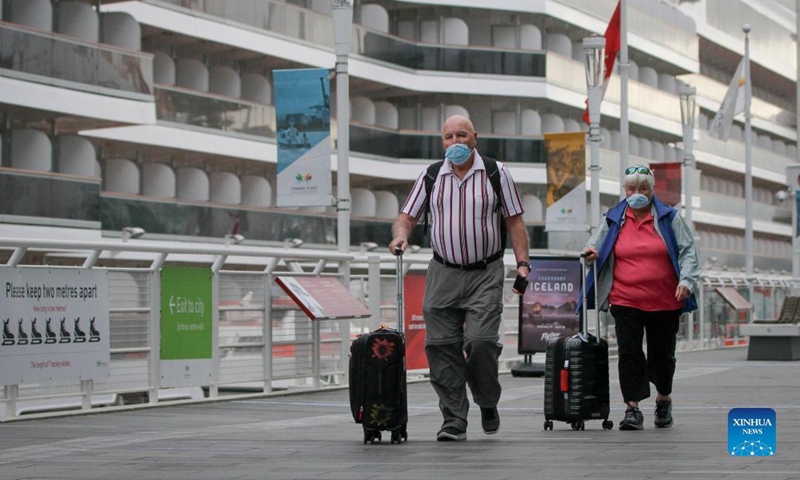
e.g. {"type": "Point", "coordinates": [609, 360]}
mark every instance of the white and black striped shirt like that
{"type": "Point", "coordinates": [465, 223]}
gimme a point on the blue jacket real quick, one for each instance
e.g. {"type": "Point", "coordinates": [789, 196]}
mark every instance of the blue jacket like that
{"type": "Point", "coordinates": [677, 237]}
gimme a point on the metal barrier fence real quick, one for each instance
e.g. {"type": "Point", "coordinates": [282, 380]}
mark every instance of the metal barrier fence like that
{"type": "Point", "coordinates": [262, 342]}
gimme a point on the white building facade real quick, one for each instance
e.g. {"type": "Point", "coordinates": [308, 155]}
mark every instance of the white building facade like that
{"type": "Point", "coordinates": [159, 114]}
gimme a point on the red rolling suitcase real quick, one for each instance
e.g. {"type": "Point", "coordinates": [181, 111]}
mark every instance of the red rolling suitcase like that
{"type": "Point", "coordinates": [378, 396]}
{"type": "Point", "coordinates": [576, 375]}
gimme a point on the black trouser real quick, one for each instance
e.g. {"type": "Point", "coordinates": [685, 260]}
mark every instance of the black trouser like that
{"type": "Point", "coordinates": [635, 370]}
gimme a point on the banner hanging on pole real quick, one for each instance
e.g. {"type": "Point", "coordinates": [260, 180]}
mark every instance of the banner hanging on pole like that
{"type": "Point", "coordinates": [793, 181]}
{"type": "Point", "coordinates": [302, 111]}
{"type": "Point", "coordinates": [566, 182]}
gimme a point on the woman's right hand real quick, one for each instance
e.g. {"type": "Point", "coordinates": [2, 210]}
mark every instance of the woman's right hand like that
{"type": "Point", "coordinates": [590, 254]}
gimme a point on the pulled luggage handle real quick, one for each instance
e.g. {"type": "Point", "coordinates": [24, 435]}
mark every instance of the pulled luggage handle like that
{"type": "Point", "coordinates": [398, 252]}
{"type": "Point", "coordinates": [584, 324]}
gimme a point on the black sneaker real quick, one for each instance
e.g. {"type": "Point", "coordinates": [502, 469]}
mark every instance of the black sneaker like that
{"type": "Point", "coordinates": [634, 420]}
{"type": "Point", "coordinates": [663, 414]}
{"type": "Point", "coordinates": [490, 420]}
{"type": "Point", "coordinates": [451, 434]}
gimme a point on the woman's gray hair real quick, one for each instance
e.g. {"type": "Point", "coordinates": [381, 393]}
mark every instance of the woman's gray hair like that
{"type": "Point", "coordinates": [637, 178]}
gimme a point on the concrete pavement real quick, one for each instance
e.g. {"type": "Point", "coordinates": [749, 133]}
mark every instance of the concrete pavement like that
{"type": "Point", "coordinates": [312, 436]}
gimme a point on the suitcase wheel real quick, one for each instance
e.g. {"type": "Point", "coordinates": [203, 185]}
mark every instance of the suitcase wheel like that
{"type": "Point", "coordinates": [398, 437]}
{"type": "Point", "coordinates": [579, 425]}
{"type": "Point", "coordinates": [608, 424]}
{"type": "Point", "coordinates": [371, 436]}
{"type": "Point", "coordinates": [548, 424]}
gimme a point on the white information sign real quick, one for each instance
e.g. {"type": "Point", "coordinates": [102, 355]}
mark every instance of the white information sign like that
{"type": "Point", "coordinates": [55, 325]}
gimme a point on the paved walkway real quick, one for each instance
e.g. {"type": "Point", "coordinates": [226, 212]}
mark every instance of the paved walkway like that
{"type": "Point", "coordinates": [312, 436]}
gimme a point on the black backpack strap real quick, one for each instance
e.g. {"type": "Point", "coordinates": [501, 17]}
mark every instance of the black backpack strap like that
{"type": "Point", "coordinates": [430, 178]}
{"type": "Point", "coordinates": [494, 178]}
{"type": "Point", "coordinates": [493, 172]}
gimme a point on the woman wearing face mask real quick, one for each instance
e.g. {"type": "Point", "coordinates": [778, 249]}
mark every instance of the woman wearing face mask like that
{"type": "Point", "coordinates": [647, 275]}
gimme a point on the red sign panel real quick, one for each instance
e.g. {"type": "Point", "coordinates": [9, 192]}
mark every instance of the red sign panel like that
{"type": "Point", "coordinates": [322, 298]}
{"type": "Point", "coordinates": [414, 292]}
{"type": "Point", "coordinates": [668, 182]}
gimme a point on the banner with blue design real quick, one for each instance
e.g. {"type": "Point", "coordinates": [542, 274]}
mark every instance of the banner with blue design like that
{"type": "Point", "coordinates": [302, 111]}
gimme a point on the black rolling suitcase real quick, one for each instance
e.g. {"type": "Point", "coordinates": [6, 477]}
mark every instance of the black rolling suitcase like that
{"type": "Point", "coordinates": [378, 396]}
{"type": "Point", "coordinates": [576, 375]}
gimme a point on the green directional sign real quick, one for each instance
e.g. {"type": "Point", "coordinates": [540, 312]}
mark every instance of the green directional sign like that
{"type": "Point", "coordinates": [186, 325]}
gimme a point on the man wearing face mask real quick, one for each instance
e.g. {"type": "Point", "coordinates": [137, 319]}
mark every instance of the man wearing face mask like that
{"type": "Point", "coordinates": [464, 289]}
{"type": "Point", "coordinates": [647, 275]}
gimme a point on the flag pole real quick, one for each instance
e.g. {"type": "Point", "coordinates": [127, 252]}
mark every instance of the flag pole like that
{"type": "Point", "coordinates": [623, 95]}
{"type": "Point", "coordinates": [748, 164]}
{"type": "Point", "coordinates": [793, 189]}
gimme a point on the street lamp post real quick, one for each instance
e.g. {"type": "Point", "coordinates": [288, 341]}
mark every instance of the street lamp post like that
{"type": "Point", "coordinates": [594, 47]}
{"type": "Point", "coordinates": [688, 97]}
{"type": "Point", "coordinates": [342, 14]}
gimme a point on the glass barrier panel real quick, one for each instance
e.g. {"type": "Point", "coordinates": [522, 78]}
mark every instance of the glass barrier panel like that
{"type": "Point", "coordinates": [464, 59]}
{"type": "Point", "coordinates": [47, 196]}
{"type": "Point", "coordinates": [215, 221]}
{"type": "Point", "coordinates": [49, 55]}
{"type": "Point", "coordinates": [212, 111]}
{"type": "Point", "coordinates": [394, 144]}
{"type": "Point", "coordinates": [26, 53]}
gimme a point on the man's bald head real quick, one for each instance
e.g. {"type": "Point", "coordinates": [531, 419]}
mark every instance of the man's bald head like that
{"type": "Point", "coordinates": [459, 129]}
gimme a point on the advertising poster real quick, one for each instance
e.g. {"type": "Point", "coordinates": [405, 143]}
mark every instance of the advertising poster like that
{"type": "Point", "coordinates": [566, 182]}
{"type": "Point", "coordinates": [547, 309]}
{"type": "Point", "coordinates": [186, 326]}
{"type": "Point", "coordinates": [668, 179]}
{"type": "Point", "coordinates": [302, 110]}
{"type": "Point", "coordinates": [55, 325]}
{"type": "Point", "coordinates": [413, 294]}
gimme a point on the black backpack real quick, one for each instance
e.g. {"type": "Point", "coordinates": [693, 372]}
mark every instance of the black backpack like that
{"type": "Point", "coordinates": [494, 178]}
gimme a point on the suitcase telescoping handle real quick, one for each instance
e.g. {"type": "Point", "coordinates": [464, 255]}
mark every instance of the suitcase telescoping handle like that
{"type": "Point", "coordinates": [584, 324]}
{"type": "Point", "coordinates": [398, 252]}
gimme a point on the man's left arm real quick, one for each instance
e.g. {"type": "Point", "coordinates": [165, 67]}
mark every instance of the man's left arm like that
{"type": "Point", "coordinates": [519, 243]}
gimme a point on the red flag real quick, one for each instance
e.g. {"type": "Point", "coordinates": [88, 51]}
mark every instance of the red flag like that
{"type": "Point", "coordinates": [612, 37]}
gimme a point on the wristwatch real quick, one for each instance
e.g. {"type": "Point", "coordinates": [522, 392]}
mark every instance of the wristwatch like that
{"type": "Point", "coordinates": [524, 264]}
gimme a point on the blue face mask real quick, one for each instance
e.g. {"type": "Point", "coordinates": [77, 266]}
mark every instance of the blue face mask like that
{"type": "Point", "coordinates": [637, 201]}
{"type": "Point", "coordinates": [457, 153]}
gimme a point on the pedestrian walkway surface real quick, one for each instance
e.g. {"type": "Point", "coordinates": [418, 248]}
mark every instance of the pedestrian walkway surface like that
{"type": "Point", "coordinates": [312, 436]}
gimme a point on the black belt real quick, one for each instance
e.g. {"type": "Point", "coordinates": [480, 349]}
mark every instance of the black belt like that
{"type": "Point", "coordinates": [472, 266]}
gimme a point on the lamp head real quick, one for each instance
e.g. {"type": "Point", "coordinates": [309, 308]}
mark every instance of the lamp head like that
{"type": "Point", "coordinates": [688, 97]}
{"type": "Point", "coordinates": [368, 246]}
{"type": "Point", "coordinates": [594, 48]}
{"type": "Point", "coordinates": [132, 232]}
{"type": "Point", "coordinates": [292, 242]}
{"type": "Point", "coordinates": [234, 239]}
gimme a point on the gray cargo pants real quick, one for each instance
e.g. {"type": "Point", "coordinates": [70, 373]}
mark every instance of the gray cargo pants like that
{"type": "Point", "coordinates": [463, 311]}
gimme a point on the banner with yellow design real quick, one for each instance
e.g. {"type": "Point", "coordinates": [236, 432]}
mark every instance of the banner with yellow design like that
{"type": "Point", "coordinates": [566, 182]}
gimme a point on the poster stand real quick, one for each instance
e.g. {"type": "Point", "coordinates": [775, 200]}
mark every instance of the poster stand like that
{"type": "Point", "coordinates": [547, 309]}
{"type": "Point", "coordinates": [527, 368]}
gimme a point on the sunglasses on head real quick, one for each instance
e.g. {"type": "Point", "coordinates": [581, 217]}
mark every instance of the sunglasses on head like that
{"type": "Point", "coordinates": [637, 169]}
